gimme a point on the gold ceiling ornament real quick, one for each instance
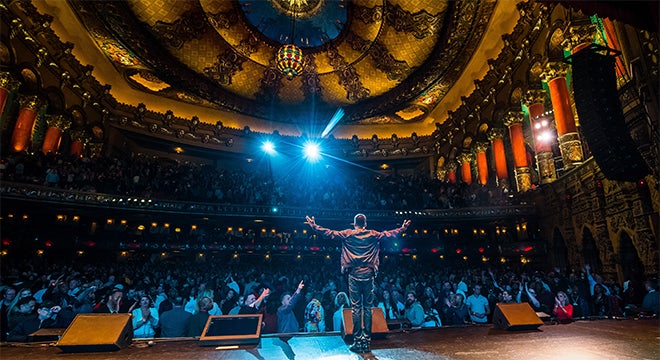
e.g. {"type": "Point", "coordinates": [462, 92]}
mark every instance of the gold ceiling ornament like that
{"type": "Point", "coordinates": [289, 57]}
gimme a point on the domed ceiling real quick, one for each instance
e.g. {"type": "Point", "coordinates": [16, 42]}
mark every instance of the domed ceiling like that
{"type": "Point", "coordinates": [382, 61]}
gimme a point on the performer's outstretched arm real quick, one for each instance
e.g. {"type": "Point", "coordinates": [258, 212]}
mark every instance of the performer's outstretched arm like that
{"type": "Point", "coordinates": [325, 232]}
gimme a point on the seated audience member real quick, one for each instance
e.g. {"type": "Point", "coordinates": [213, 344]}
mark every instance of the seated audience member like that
{"type": "Point", "coordinates": [431, 316]}
{"type": "Point", "coordinates": [43, 319]}
{"type": "Point", "coordinates": [24, 309]}
{"type": "Point", "coordinates": [252, 303]}
{"type": "Point", "coordinates": [341, 302]}
{"type": "Point", "coordinates": [197, 321]}
{"type": "Point", "coordinates": [563, 310]}
{"type": "Point", "coordinates": [240, 300]}
{"type": "Point", "coordinates": [391, 308]}
{"type": "Point", "coordinates": [314, 316]}
{"type": "Point", "coordinates": [478, 306]}
{"type": "Point", "coordinates": [414, 311]}
{"type": "Point", "coordinates": [456, 311]}
{"type": "Point", "coordinates": [579, 302]}
{"type": "Point", "coordinates": [601, 301]}
{"type": "Point", "coordinates": [173, 322]}
{"type": "Point", "coordinates": [145, 319]}
{"type": "Point", "coordinates": [286, 319]}
{"type": "Point", "coordinates": [111, 303]}
{"type": "Point", "coordinates": [651, 301]}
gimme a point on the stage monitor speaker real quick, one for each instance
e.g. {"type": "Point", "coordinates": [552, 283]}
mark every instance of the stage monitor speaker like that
{"type": "Point", "coordinates": [378, 324]}
{"type": "Point", "coordinates": [601, 115]}
{"type": "Point", "coordinates": [232, 330]}
{"type": "Point", "coordinates": [97, 333]}
{"type": "Point", "coordinates": [516, 317]}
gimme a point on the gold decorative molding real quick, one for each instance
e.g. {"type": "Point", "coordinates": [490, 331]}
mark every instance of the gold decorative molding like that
{"type": "Point", "coordinates": [514, 117]}
{"type": "Point", "coordinates": [31, 102]}
{"type": "Point", "coordinates": [451, 166]}
{"type": "Point", "coordinates": [58, 121]}
{"type": "Point", "coordinates": [465, 158]}
{"type": "Point", "coordinates": [8, 82]}
{"type": "Point", "coordinates": [571, 150]}
{"type": "Point", "coordinates": [547, 171]}
{"type": "Point", "coordinates": [80, 135]}
{"type": "Point", "coordinates": [579, 34]}
{"type": "Point", "coordinates": [496, 133]}
{"type": "Point", "coordinates": [523, 178]}
{"type": "Point", "coordinates": [480, 146]}
{"type": "Point", "coordinates": [554, 70]}
{"type": "Point", "coordinates": [534, 96]}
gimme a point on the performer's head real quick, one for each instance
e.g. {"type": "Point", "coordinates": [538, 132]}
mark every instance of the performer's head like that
{"type": "Point", "coordinates": [360, 221]}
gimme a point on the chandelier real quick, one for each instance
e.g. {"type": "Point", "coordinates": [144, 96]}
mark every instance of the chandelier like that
{"type": "Point", "coordinates": [290, 60]}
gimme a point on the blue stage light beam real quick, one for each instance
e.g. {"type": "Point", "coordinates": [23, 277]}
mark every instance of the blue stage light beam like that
{"type": "Point", "coordinates": [268, 147]}
{"type": "Point", "coordinates": [311, 151]}
{"type": "Point", "coordinates": [339, 114]}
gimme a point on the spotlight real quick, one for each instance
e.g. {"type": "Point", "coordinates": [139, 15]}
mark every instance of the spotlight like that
{"type": "Point", "coordinates": [268, 147]}
{"type": "Point", "coordinates": [311, 151]}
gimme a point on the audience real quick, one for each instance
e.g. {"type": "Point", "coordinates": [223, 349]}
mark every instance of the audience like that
{"type": "Point", "coordinates": [438, 286]}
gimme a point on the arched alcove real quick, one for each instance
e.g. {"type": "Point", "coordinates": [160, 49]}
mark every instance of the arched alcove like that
{"type": "Point", "coordinates": [590, 252]}
{"type": "Point", "coordinates": [559, 250]}
{"type": "Point", "coordinates": [631, 265]}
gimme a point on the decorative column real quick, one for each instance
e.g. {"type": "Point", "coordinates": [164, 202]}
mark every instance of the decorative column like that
{"type": "Point", "coordinates": [482, 162]}
{"type": "Point", "coordinates": [522, 171]}
{"type": "Point", "coordinates": [464, 160]}
{"type": "Point", "coordinates": [7, 85]}
{"type": "Point", "coordinates": [57, 124]}
{"type": "Point", "coordinates": [569, 139]}
{"type": "Point", "coordinates": [496, 137]}
{"type": "Point", "coordinates": [543, 135]}
{"type": "Point", "coordinates": [440, 170]}
{"type": "Point", "coordinates": [78, 141]}
{"type": "Point", "coordinates": [22, 134]}
{"type": "Point", "coordinates": [451, 172]}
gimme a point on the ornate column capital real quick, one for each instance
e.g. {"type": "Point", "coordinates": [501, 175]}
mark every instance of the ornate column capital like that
{"type": "Point", "coordinates": [496, 133]}
{"type": "Point", "coordinates": [31, 102]}
{"type": "Point", "coordinates": [579, 34]}
{"type": "Point", "coordinates": [534, 96]}
{"type": "Point", "coordinates": [80, 135]}
{"type": "Point", "coordinates": [8, 82]}
{"type": "Point", "coordinates": [514, 117]}
{"type": "Point", "coordinates": [61, 122]}
{"type": "Point", "coordinates": [464, 158]}
{"type": "Point", "coordinates": [554, 70]}
{"type": "Point", "coordinates": [480, 146]}
{"type": "Point", "coordinates": [451, 166]}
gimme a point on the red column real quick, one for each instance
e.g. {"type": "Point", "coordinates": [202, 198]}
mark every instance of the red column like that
{"type": "Point", "coordinates": [7, 85]}
{"type": "Point", "coordinates": [451, 172]}
{"type": "Point", "coordinates": [22, 134]}
{"type": "Point", "coordinates": [568, 137]}
{"type": "Point", "coordinates": [496, 136]}
{"type": "Point", "coordinates": [543, 135]}
{"type": "Point", "coordinates": [57, 124]}
{"type": "Point", "coordinates": [522, 170]}
{"type": "Point", "coordinates": [482, 162]}
{"type": "Point", "coordinates": [466, 170]}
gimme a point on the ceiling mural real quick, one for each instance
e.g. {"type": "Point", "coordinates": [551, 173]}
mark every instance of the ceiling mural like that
{"type": "Point", "coordinates": [382, 61]}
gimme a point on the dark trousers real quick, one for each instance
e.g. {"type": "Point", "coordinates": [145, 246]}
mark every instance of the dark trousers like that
{"type": "Point", "coordinates": [361, 293]}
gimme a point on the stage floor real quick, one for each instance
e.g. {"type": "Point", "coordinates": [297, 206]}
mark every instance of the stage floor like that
{"type": "Point", "coordinates": [598, 339]}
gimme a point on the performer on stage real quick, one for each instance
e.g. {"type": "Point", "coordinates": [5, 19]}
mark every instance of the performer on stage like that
{"type": "Point", "coordinates": [360, 259]}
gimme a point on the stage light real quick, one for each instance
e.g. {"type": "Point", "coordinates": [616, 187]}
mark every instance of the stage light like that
{"type": "Point", "coordinates": [268, 147]}
{"type": "Point", "coordinates": [311, 151]}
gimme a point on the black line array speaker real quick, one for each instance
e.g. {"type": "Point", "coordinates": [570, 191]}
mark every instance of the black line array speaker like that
{"type": "Point", "coordinates": [97, 333]}
{"type": "Point", "coordinates": [518, 316]}
{"type": "Point", "coordinates": [244, 329]}
{"type": "Point", "coordinates": [378, 324]}
{"type": "Point", "coordinates": [601, 116]}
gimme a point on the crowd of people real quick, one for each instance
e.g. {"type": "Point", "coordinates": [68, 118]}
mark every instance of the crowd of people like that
{"type": "Point", "coordinates": [306, 296]}
{"type": "Point", "coordinates": [150, 177]}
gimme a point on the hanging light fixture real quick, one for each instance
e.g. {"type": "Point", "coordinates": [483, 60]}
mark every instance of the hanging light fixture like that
{"type": "Point", "coordinates": [289, 56]}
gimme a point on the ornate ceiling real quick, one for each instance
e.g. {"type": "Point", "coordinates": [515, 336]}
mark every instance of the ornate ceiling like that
{"type": "Point", "coordinates": [385, 62]}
